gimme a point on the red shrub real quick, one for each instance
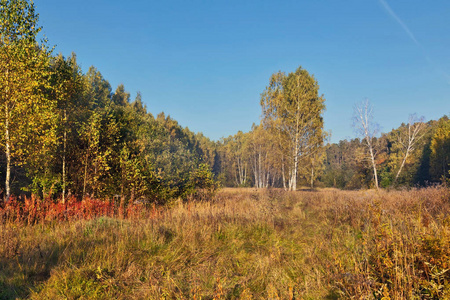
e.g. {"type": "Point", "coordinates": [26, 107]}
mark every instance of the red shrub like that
{"type": "Point", "coordinates": [32, 210]}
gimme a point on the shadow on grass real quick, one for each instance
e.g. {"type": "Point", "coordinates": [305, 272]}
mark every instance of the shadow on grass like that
{"type": "Point", "coordinates": [24, 270]}
{"type": "Point", "coordinates": [28, 259]}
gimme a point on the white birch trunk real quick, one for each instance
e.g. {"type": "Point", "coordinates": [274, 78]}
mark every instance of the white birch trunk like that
{"type": "Point", "coordinates": [8, 154]}
{"type": "Point", "coordinates": [85, 176]}
{"type": "Point", "coordinates": [372, 157]}
{"type": "Point", "coordinates": [64, 159]}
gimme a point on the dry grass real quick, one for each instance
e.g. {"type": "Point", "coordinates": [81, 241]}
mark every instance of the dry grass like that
{"type": "Point", "coordinates": [246, 244]}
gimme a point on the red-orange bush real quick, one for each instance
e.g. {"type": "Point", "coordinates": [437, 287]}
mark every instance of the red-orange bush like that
{"type": "Point", "coordinates": [32, 210]}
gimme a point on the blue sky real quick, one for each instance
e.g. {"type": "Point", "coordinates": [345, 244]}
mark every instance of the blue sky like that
{"type": "Point", "coordinates": [206, 62]}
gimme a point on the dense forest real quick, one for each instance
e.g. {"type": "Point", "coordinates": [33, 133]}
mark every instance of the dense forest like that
{"type": "Point", "coordinates": [66, 132]}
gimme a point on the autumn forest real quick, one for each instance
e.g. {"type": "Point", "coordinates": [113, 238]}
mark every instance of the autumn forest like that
{"type": "Point", "coordinates": [83, 158]}
{"type": "Point", "coordinates": [66, 132]}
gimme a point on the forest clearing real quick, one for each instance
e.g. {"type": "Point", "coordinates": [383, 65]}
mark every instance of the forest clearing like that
{"type": "Point", "coordinates": [102, 199]}
{"type": "Point", "coordinates": [243, 244]}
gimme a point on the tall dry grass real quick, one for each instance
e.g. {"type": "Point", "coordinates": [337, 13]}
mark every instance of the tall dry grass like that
{"type": "Point", "coordinates": [245, 244]}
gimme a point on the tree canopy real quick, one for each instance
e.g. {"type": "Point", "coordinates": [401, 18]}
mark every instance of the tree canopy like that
{"type": "Point", "coordinates": [292, 110]}
{"type": "Point", "coordinates": [65, 132]}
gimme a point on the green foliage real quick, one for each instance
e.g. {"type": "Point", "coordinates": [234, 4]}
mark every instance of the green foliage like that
{"type": "Point", "coordinates": [236, 157]}
{"type": "Point", "coordinates": [28, 123]}
{"type": "Point", "coordinates": [386, 176]}
{"type": "Point", "coordinates": [121, 97]}
{"type": "Point", "coordinates": [202, 184]}
{"type": "Point", "coordinates": [18, 22]}
{"type": "Point", "coordinates": [440, 151]}
{"type": "Point", "coordinates": [426, 162]}
{"type": "Point", "coordinates": [65, 132]}
{"type": "Point", "coordinates": [292, 111]}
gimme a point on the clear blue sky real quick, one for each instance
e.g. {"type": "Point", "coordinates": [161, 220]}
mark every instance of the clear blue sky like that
{"type": "Point", "coordinates": [206, 62]}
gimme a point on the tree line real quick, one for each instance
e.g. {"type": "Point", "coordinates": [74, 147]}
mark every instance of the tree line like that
{"type": "Point", "coordinates": [65, 132]}
{"type": "Point", "coordinates": [417, 153]}
{"type": "Point", "coordinates": [346, 164]}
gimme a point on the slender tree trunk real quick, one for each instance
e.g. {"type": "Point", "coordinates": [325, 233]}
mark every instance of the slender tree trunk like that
{"type": "Point", "coordinates": [415, 126]}
{"type": "Point", "coordinates": [293, 186]}
{"type": "Point", "coordinates": [259, 168]}
{"type": "Point", "coordinates": [364, 114]}
{"type": "Point", "coordinates": [266, 172]}
{"type": "Point", "coordinates": [312, 175]}
{"type": "Point", "coordinates": [8, 154]}
{"type": "Point", "coordinates": [236, 179]}
{"type": "Point", "coordinates": [239, 170]}
{"type": "Point", "coordinates": [122, 190]}
{"type": "Point", "coordinates": [95, 181]}
{"type": "Point", "coordinates": [401, 166]}
{"type": "Point", "coordinates": [372, 157]}
{"type": "Point", "coordinates": [7, 140]}
{"type": "Point", "coordinates": [85, 175]}
{"type": "Point", "coordinates": [294, 174]}
{"type": "Point", "coordinates": [64, 159]}
{"type": "Point", "coordinates": [291, 179]}
{"type": "Point", "coordinates": [296, 145]}
{"type": "Point", "coordinates": [255, 170]}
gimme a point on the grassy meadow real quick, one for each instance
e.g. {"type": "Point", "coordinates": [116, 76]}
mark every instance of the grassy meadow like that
{"type": "Point", "coordinates": [243, 244]}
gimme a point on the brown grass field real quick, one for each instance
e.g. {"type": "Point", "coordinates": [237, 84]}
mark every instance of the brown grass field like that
{"type": "Point", "coordinates": [243, 244]}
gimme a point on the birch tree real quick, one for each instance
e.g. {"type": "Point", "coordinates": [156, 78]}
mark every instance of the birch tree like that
{"type": "Point", "coordinates": [292, 107]}
{"type": "Point", "coordinates": [27, 115]}
{"type": "Point", "coordinates": [409, 138]}
{"type": "Point", "coordinates": [236, 151]}
{"type": "Point", "coordinates": [366, 129]}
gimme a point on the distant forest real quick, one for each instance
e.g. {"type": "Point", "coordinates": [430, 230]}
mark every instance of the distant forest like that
{"type": "Point", "coordinates": [65, 132]}
{"type": "Point", "coordinates": [346, 164]}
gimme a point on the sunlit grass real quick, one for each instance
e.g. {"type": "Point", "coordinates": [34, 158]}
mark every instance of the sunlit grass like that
{"type": "Point", "coordinates": [246, 244]}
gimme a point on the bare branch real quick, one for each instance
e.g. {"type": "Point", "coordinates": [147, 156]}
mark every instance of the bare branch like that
{"type": "Point", "coordinates": [409, 139]}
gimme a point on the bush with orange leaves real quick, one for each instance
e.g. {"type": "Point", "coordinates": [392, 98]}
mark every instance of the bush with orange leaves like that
{"type": "Point", "coordinates": [32, 210]}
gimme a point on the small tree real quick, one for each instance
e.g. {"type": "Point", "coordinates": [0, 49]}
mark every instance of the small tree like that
{"type": "Point", "coordinates": [202, 184]}
{"type": "Point", "coordinates": [292, 107]}
{"type": "Point", "coordinates": [409, 138]}
{"type": "Point", "coordinates": [366, 129]}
